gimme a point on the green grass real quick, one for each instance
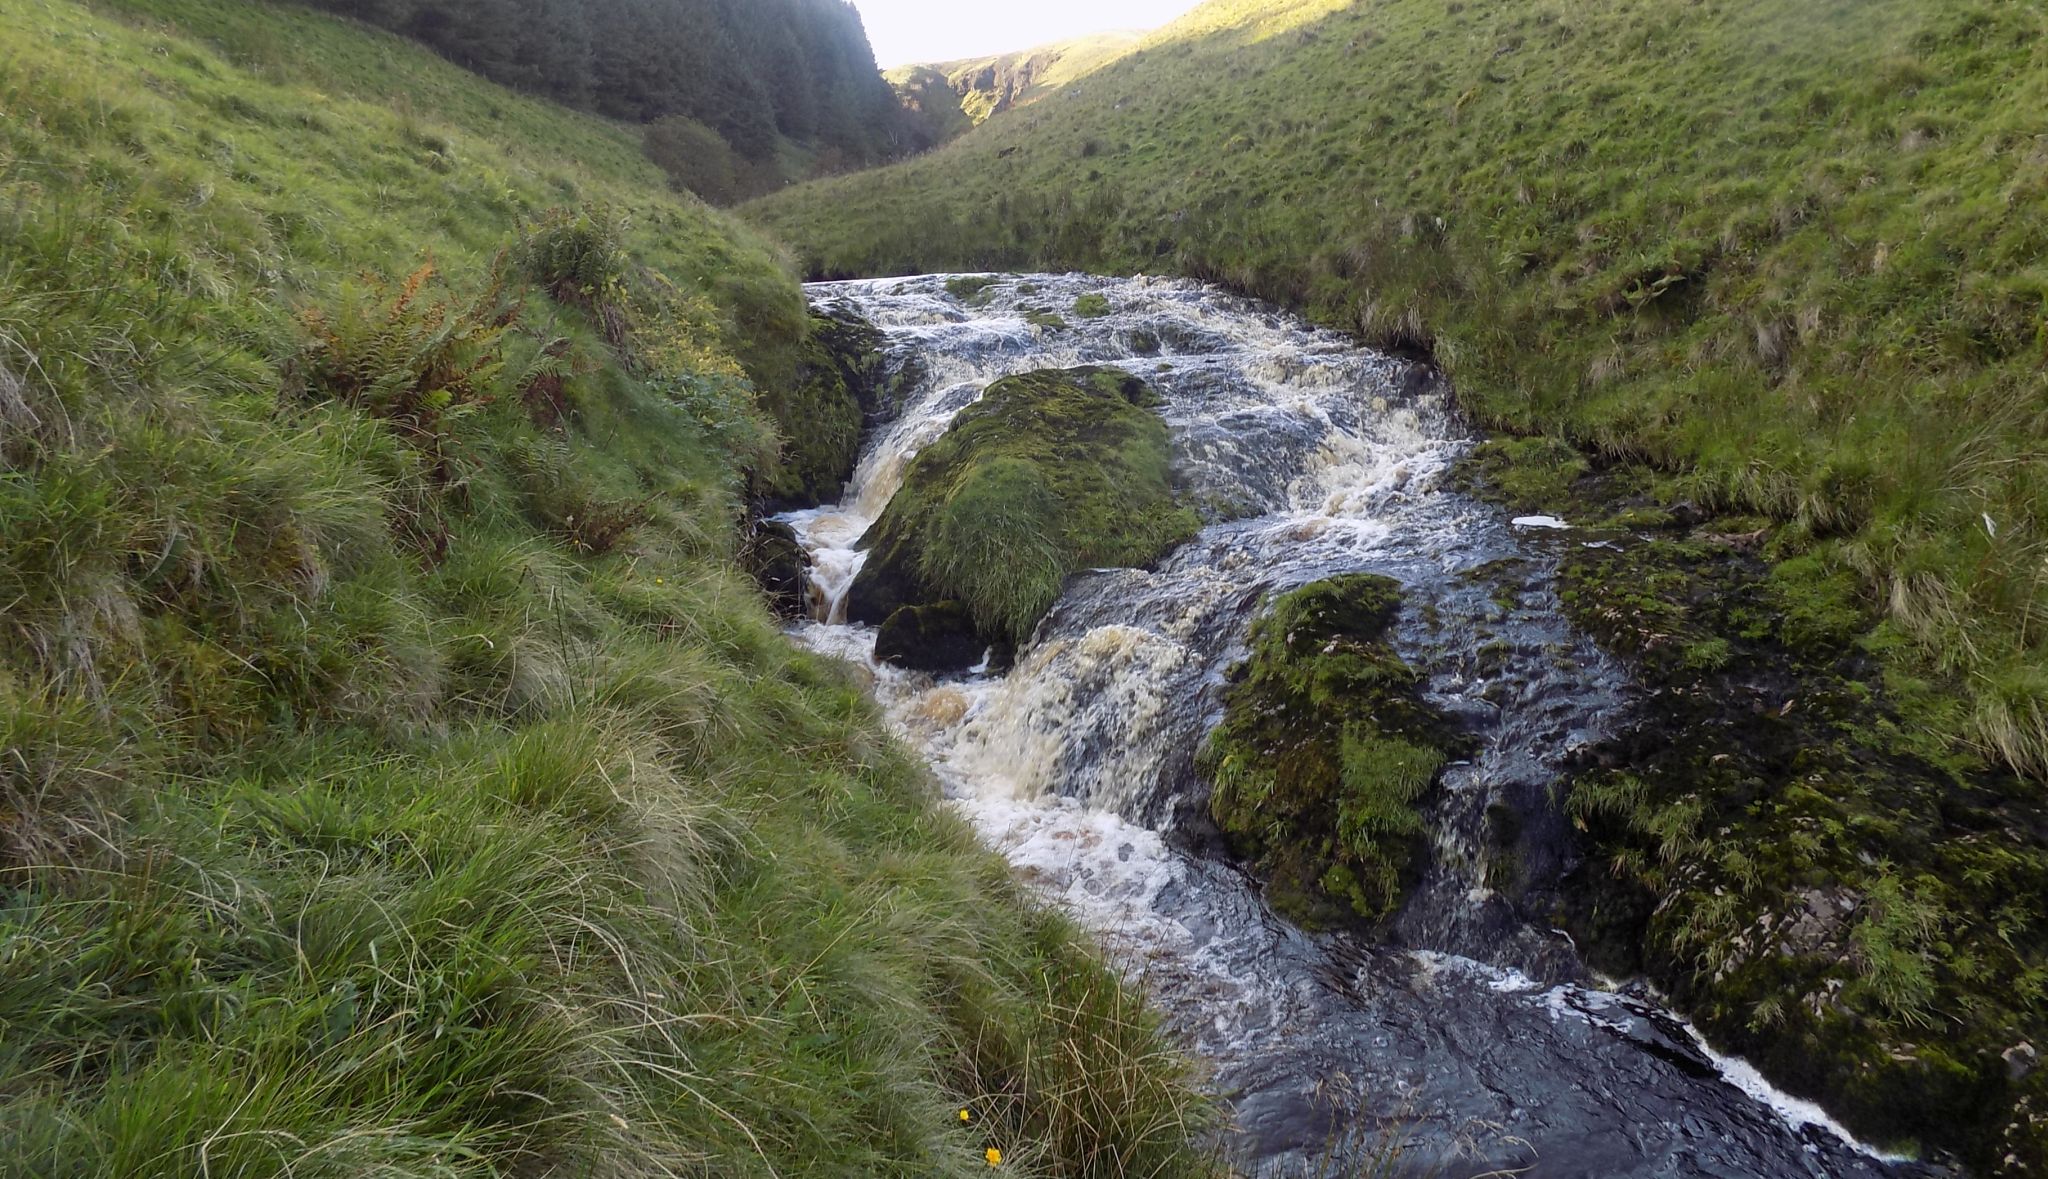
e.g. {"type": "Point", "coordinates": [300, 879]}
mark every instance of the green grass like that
{"type": "Point", "coordinates": [1793, 252]}
{"type": "Point", "coordinates": [396, 777]}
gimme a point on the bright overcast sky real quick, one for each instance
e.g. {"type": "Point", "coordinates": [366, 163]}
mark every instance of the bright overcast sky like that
{"type": "Point", "coordinates": [906, 31]}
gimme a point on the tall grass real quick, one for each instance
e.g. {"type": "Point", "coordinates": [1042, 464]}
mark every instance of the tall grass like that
{"type": "Point", "coordinates": [395, 776]}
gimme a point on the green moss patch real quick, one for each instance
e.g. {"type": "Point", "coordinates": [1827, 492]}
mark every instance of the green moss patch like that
{"type": "Point", "coordinates": [820, 412]}
{"type": "Point", "coordinates": [1325, 749]}
{"type": "Point", "coordinates": [1050, 472]}
{"type": "Point", "coordinates": [970, 288]}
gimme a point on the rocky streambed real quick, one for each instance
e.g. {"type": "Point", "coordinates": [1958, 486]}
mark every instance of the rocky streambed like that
{"type": "Point", "coordinates": [1461, 1035]}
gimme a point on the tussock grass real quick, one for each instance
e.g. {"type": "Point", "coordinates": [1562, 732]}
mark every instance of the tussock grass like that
{"type": "Point", "coordinates": [396, 778]}
{"type": "Point", "coordinates": [1792, 253]}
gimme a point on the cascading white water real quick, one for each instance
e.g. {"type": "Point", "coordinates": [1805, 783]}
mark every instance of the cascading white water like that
{"type": "Point", "coordinates": [1478, 1045]}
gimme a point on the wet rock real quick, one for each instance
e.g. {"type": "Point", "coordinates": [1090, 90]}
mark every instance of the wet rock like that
{"type": "Point", "coordinates": [937, 638]}
{"type": "Point", "coordinates": [888, 582]}
{"type": "Point", "coordinates": [2020, 1060]}
{"type": "Point", "coordinates": [1821, 922]}
{"type": "Point", "coordinates": [772, 556]}
{"type": "Point", "coordinates": [1325, 748]}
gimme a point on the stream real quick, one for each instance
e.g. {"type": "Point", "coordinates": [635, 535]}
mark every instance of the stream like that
{"type": "Point", "coordinates": [1470, 1041]}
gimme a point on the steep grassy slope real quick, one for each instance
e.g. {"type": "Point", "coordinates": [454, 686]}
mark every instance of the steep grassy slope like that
{"type": "Point", "coordinates": [395, 777]}
{"type": "Point", "coordinates": [1791, 251]}
{"type": "Point", "coordinates": [756, 72]}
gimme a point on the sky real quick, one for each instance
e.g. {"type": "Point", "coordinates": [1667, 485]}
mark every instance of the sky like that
{"type": "Point", "coordinates": [907, 31]}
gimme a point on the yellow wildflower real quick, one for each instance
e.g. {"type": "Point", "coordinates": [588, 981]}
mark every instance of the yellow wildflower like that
{"type": "Point", "coordinates": [965, 1116]}
{"type": "Point", "coordinates": [994, 1156]}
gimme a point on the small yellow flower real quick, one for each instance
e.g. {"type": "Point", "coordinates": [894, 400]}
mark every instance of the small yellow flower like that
{"type": "Point", "coordinates": [965, 1116]}
{"type": "Point", "coordinates": [994, 1156]}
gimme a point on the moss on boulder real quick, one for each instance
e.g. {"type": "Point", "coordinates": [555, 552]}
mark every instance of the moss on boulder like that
{"type": "Point", "coordinates": [1049, 473]}
{"type": "Point", "coordinates": [821, 412]}
{"type": "Point", "coordinates": [1325, 748]}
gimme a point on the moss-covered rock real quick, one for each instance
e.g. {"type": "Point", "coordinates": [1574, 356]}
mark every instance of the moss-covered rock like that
{"type": "Point", "coordinates": [1325, 748]}
{"type": "Point", "coordinates": [1781, 835]}
{"type": "Point", "coordinates": [822, 411]}
{"type": "Point", "coordinates": [1050, 472]}
{"type": "Point", "coordinates": [935, 638]}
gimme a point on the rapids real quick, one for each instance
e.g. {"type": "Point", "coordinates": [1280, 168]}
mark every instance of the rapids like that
{"type": "Point", "coordinates": [1472, 1041]}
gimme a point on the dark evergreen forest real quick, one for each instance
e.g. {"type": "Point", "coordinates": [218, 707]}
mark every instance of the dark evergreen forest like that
{"type": "Point", "coordinates": [754, 71]}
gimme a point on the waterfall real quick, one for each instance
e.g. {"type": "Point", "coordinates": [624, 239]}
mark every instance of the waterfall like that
{"type": "Point", "coordinates": [1473, 1039]}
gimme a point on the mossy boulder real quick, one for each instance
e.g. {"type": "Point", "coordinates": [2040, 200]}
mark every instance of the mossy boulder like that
{"type": "Point", "coordinates": [1325, 749]}
{"type": "Point", "coordinates": [820, 413]}
{"type": "Point", "coordinates": [936, 638]}
{"type": "Point", "coordinates": [1049, 473]}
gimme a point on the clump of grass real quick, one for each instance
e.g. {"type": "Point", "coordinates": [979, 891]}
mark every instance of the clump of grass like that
{"type": "Point", "coordinates": [992, 546]}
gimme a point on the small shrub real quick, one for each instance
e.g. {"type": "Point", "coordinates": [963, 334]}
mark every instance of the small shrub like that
{"type": "Point", "coordinates": [579, 258]}
{"type": "Point", "coordinates": [412, 355]}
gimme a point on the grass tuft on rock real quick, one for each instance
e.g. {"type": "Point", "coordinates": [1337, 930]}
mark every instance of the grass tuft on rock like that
{"type": "Point", "coordinates": [1049, 473]}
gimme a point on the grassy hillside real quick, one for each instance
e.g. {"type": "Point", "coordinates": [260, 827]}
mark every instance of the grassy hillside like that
{"type": "Point", "coordinates": [1793, 252]}
{"type": "Point", "coordinates": [395, 776]}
